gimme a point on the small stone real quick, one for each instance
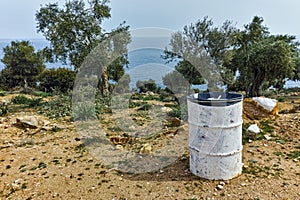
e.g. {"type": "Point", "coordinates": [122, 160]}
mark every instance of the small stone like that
{"type": "Point", "coordinates": [119, 147]}
{"type": "Point", "coordinates": [220, 187]}
{"type": "Point", "coordinates": [268, 137]}
{"type": "Point", "coordinates": [166, 109]}
{"type": "Point", "coordinates": [146, 149]}
{"type": "Point", "coordinates": [222, 183]}
{"type": "Point", "coordinates": [254, 128]}
{"type": "Point", "coordinates": [175, 122]}
{"type": "Point", "coordinates": [295, 160]}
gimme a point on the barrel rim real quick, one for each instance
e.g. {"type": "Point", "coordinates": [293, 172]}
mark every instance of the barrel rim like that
{"type": "Point", "coordinates": [196, 98]}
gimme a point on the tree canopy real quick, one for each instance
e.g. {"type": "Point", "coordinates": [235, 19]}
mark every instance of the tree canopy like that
{"type": "Point", "coordinates": [75, 30]}
{"type": "Point", "coordinates": [204, 49]}
{"type": "Point", "coordinates": [250, 59]}
{"type": "Point", "coordinates": [261, 59]}
{"type": "Point", "coordinates": [22, 65]}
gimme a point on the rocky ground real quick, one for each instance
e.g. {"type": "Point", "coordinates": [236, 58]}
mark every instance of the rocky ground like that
{"type": "Point", "coordinates": [50, 161]}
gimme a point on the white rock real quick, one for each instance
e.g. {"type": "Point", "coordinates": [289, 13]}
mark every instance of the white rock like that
{"type": "Point", "coordinates": [166, 109]}
{"type": "Point", "coordinates": [254, 128]}
{"type": "Point", "coordinates": [220, 187]}
{"type": "Point", "coordinates": [266, 103]}
{"type": "Point", "coordinates": [27, 121]}
{"type": "Point", "coordinates": [268, 137]}
{"type": "Point", "coordinates": [222, 183]}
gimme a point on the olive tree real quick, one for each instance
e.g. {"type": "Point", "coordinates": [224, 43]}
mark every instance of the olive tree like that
{"type": "Point", "coordinates": [75, 30]}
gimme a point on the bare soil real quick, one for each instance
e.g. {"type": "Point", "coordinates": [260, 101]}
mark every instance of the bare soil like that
{"type": "Point", "coordinates": [56, 165]}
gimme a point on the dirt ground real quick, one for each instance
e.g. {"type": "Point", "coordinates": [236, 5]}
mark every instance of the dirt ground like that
{"type": "Point", "coordinates": [55, 165]}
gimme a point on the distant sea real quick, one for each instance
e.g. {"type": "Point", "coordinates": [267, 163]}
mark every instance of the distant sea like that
{"type": "Point", "coordinates": [145, 62]}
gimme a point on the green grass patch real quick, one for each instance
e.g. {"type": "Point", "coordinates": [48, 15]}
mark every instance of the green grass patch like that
{"type": "Point", "coordinates": [294, 154]}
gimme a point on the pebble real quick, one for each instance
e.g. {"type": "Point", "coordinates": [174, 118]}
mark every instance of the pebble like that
{"type": "Point", "coordinates": [220, 187]}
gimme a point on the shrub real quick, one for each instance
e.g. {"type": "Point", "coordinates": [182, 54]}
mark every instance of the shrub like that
{"type": "Point", "coordinates": [3, 109]}
{"type": "Point", "coordinates": [61, 79]}
{"type": "Point", "coordinates": [58, 107]}
{"type": "Point", "coordinates": [180, 112]}
{"type": "Point", "coordinates": [22, 99]}
{"type": "Point", "coordinates": [83, 111]}
{"type": "Point", "coordinates": [145, 86]}
{"type": "Point", "coordinates": [2, 93]}
{"type": "Point", "coordinates": [42, 94]}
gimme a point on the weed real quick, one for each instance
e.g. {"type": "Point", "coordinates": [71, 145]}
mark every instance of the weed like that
{"type": "Point", "coordinates": [294, 154]}
{"type": "Point", "coordinates": [42, 165]}
{"type": "Point", "coordinates": [42, 94]}
{"type": "Point", "coordinates": [278, 153]}
{"type": "Point", "coordinates": [281, 99]}
{"type": "Point", "coordinates": [2, 93]}
{"type": "Point", "coordinates": [267, 126]}
{"type": "Point", "coordinates": [80, 148]}
{"type": "Point", "coordinates": [22, 99]}
{"type": "Point", "coordinates": [22, 166]}
{"type": "Point", "coordinates": [84, 111]}
{"type": "Point", "coordinates": [24, 186]}
{"type": "Point", "coordinates": [56, 162]}
{"type": "Point", "coordinates": [58, 107]}
{"type": "Point", "coordinates": [3, 109]}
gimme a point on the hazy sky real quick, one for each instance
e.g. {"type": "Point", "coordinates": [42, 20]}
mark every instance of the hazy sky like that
{"type": "Point", "coordinates": [17, 17]}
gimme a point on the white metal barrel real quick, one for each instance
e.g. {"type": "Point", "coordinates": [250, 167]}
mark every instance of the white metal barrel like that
{"type": "Point", "coordinates": [215, 135]}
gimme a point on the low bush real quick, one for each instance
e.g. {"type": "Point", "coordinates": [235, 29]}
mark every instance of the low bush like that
{"type": "Point", "coordinates": [22, 99]}
{"type": "Point", "coordinates": [3, 109]}
{"type": "Point", "coordinates": [83, 111]}
{"type": "Point", "coordinates": [61, 79]}
{"type": "Point", "coordinates": [61, 106]}
{"type": "Point", "coordinates": [2, 93]}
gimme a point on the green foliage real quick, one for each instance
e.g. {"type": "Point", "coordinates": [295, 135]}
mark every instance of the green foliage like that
{"type": "Point", "coordinates": [61, 79]}
{"type": "Point", "coordinates": [262, 60]}
{"type": "Point", "coordinates": [204, 50]}
{"type": "Point", "coordinates": [20, 99]}
{"type": "Point", "coordinates": [176, 81]}
{"type": "Point", "coordinates": [75, 34]}
{"type": "Point", "coordinates": [42, 94]}
{"type": "Point", "coordinates": [180, 111]}
{"type": "Point", "coordinates": [217, 54]}
{"type": "Point", "coordinates": [123, 85]}
{"type": "Point", "coordinates": [266, 126]}
{"type": "Point", "coordinates": [2, 93]}
{"type": "Point", "coordinates": [22, 65]}
{"type": "Point", "coordinates": [3, 109]}
{"type": "Point", "coordinates": [30, 102]}
{"type": "Point", "coordinates": [60, 106]}
{"type": "Point", "coordinates": [84, 111]}
{"type": "Point", "coordinates": [281, 99]}
{"type": "Point", "coordinates": [294, 154]}
{"type": "Point", "coordinates": [145, 107]}
{"type": "Point", "coordinates": [145, 86]}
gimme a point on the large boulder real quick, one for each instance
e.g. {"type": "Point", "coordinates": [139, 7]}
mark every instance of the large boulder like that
{"type": "Point", "coordinates": [257, 108]}
{"type": "Point", "coordinates": [27, 122]}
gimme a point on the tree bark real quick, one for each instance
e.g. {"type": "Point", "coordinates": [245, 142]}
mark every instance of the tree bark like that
{"type": "Point", "coordinates": [254, 87]}
{"type": "Point", "coordinates": [105, 85]}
